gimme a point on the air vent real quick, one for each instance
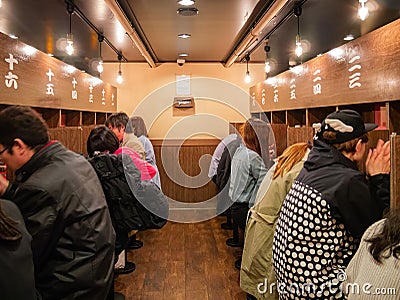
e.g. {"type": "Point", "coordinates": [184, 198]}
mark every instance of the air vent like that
{"type": "Point", "coordinates": [187, 11]}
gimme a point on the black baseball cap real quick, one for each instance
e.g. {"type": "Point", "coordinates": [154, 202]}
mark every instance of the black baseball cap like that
{"type": "Point", "coordinates": [347, 124]}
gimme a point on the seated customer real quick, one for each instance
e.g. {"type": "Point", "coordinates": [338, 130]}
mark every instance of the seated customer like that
{"type": "Point", "coordinates": [64, 209]}
{"type": "Point", "coordinates": [17, 280]}
{"type": "Point", "coordinates": [103, 140]}
{"type": "Point", "coordinates": [138, 127]}
{"type": "Point", "coordinates": [257, 252]}
{"type": "Point", "coordinates": [376, 263]}
{"type": "Point", "coordinates": [118, 123]}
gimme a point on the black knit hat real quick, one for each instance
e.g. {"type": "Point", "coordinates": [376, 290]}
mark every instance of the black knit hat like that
{"type": "Point", "coordinates": [347, 124]}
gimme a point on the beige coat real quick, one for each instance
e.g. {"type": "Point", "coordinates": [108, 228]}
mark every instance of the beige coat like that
{"type": "Point", "coordinates": [257, 275]}
{"type": "Point", "coordinates": [130, 140]}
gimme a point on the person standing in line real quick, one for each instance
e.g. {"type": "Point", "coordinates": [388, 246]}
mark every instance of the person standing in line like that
{"type": "Point", "coordinates": [17, 281]}
{"type": "Point", "coordinates": [139, 129]}
{"type": "Point", "coordinates": [328, 208]}
{"type": "Point", "coordinates": [216, 157]}
{"type": "Point", "coordinates": [257, 268]}
{"type": "Point", "coordinates": [376, 264]}
{"type": "Point", "coordinates": [118, 123]}
{"type": "Point", "coordinates": [220, 175]}
{"type": "Point", "coordinates": [250, 163]}
{"type": "Point", "coordinates": [64, 208]}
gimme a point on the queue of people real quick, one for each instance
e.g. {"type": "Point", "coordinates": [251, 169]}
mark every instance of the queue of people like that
{"type": "Point", "coordinates": [312, 222]}
{"type": "Point", "coordinates": [310, 213]}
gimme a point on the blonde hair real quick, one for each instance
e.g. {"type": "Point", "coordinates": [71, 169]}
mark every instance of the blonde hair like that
{"type": "Point", "coordinates": [291, 156]}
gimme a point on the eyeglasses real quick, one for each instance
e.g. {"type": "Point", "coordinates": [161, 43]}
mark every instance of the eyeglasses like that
{"type": "Point", "coordinates": [2, 151]}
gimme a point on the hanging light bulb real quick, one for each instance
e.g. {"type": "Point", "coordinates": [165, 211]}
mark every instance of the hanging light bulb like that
{"type": "Point", "coordinates": [70, 40]}
{"type": "Point", "coordinates": [100, 67]}
{"type": "Point", "coordinates": [363, 12]}
{"type": "Point", "coordinates": [70, 44]}
{"type": "Point", "coordinates": [267, 67]}
{"type": "Point", "coordinates": [299, 49]}
{"type": "Point", "coordinates": [119, 77]}
{"type": "Point", "coordinates": [247, 78]}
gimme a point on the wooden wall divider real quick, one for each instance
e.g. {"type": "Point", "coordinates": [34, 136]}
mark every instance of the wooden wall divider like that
{"type": "Point", "coordinates": [188, 157]}
{"type": "Point", "coordinates": [74, 138]}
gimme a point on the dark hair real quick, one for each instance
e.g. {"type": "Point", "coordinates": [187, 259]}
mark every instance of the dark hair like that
{"type": "Point", "coordinates": [8, 228]}
{"type": "Point", "coordinates": [117, 120]}
{"type": "Point", "coordinates": [387, 239]}
{"type": "Point", "coordinates": [349, 146]}
{"type": "Point", "coordinates": [256, 137]}
{"type": "Point", "coordinates": [136, 126]}
{"type": "Point", "coordinates": [24, 123]}
{"type": "Point", "coordinates": [102, 139]}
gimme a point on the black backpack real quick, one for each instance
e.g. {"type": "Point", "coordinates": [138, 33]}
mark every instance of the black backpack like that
{"type": "Point", "coordinates": [134, 204]}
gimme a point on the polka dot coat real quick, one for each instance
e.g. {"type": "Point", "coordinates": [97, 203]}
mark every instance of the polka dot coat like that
{"type": "Point", "coordinates": [311, 249]}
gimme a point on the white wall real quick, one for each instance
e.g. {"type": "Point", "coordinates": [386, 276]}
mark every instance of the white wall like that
{"type": "Point", "coordinates": [221, 96]}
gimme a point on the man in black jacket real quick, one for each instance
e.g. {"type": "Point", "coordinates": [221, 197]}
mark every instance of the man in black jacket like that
{"type": "Point", "coordinates": [328, 208]}
{"type": "Point", "coordinates": [63, 206]}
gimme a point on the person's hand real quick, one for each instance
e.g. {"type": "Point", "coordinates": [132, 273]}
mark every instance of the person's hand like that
{"type": "Point", "coordinates": [378, 159]}
{"type": "Point", "coordinates": [3, 185]}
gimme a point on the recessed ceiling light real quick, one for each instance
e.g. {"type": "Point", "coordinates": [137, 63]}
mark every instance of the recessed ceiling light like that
{"type": "Point", "coordinates": [184, 35]}
{"type": "Point", "coordinates": [349, 37]}
{"type": "Point", "coordinates": [50, 54]}
{"type": "Point", "coordinates": [186, 2]}
{"type": "Point", "coordinates": [183, 54]}
{"type": "Point", "coordinates": [12, 36]}
{"type": "Point", "coordinates": [187, 11]}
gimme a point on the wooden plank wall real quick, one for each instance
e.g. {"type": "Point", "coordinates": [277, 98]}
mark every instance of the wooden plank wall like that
{"type": "Point", "coordinates": [299, 135]}
{"type": "Point", "coordinates": [280, 133]}
{"type": "Point", "coordinates": [74, 138]}
{"type": "Point", "coordinates": [188, 157]}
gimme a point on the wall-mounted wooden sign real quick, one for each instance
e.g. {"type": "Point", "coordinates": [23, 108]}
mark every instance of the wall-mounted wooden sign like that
{"type": "Point", "coordinates": [33, 78]}
{"type": "Point", "coordinates": [364, 70]}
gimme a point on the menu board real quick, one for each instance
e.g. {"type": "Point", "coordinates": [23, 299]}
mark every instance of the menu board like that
{"type": "Point", "coordinates": [33, 78]}
{"type": "Point", "coordinates": [361, 71]}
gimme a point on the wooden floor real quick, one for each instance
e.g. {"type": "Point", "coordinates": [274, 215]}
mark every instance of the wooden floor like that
{"type": "Point", "coordinates": [183, 261]}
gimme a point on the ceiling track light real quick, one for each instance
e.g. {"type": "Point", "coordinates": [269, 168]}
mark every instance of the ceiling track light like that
{"type": "Point", "coordinates": [363, 12]}
{"type": "Point", "coordinates": [186, 2]}
{"type": "Point", "coordinates": [70, 39]}
{"type": "Point", "coordinates": [299, 48]}
{"type": "Point", "coordinates": [184, 35]}
{"type": "Point", "coordinates": [100, 67]}
{"type": "Point", "coordinates": [247, 77]}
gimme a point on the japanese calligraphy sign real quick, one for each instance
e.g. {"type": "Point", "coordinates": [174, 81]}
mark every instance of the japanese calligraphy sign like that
{"type": "Point", "coordinates": [33, 78]}
{"type": "Point", "coordinates": [364, 70]}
